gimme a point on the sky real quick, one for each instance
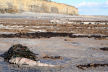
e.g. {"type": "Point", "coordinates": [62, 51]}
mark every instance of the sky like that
{"type": "Point", "coordinates": [88, 7]}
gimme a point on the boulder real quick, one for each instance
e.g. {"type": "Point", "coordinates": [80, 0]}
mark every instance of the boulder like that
{"type": "Point", "coordinates": [28, 62]}
{"type": "Point", "coordinates": [19, 50]}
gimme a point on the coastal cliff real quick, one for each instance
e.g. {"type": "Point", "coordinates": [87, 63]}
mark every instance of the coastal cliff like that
{"type": "Point", "coordinates": [40, 6]}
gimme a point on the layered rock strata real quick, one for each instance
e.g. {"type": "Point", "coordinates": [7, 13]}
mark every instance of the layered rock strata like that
{"type": "Point", "coordinates": [40, 6]}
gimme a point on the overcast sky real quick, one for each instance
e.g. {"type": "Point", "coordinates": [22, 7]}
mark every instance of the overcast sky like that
{"type": "Point", "coordinates": [88, 7]}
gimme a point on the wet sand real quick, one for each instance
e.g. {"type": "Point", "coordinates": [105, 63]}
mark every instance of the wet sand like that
{"type": "Point", "coordinates": [75, 51]}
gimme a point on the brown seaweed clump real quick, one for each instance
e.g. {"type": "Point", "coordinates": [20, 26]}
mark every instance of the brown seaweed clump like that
{"type": "Point", "coordinates": [52, 57]}
{"type": "Point", "coordinates": [19, 50]}
{"type": "Point", "coordinates": [104, 49]}
{"type": "Point", "coordinates": [91, 65]}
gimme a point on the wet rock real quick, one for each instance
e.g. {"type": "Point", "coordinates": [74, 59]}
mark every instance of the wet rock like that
{"type": "Point", "coordinates": [36, 35]}
{"type": "Point", "coordinates": [22, 56]}
{"type": "Point", "coordinates": [19, 50]}
{"type": "Point", "coordinates": [52, 57]}
{"type": "Point", "coordinates": [104, 49]}
{"type": "Point", "coordinates": [67, 39]}
{"type": "Point", "coordinates": [48, 35]}
{"type": "Point", "coordinates": [102, 38]}
{"type": "Point", "coordinates": [91, 65]}
{"type": "Point", "coordinates": [28, 62]}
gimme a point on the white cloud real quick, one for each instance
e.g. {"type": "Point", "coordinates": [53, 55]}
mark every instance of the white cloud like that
{"type": "Point", "coordinates": [92, 4]}
{"type": "Point", "coordinates": [88, 4]}
{"type": "Point", "coordinates": [93, 8]}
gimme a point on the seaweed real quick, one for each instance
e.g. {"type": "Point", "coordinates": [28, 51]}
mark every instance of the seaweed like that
{"type": "Point", "coordinates": [104, 49]}
{"type": "Point", "coordinates": [19, 50]}
{"type": "Point", "coordinates": [91, 65]}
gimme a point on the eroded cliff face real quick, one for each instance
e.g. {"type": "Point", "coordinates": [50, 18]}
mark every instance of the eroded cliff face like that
{"type": "Point", "coordinates": [41, 6]}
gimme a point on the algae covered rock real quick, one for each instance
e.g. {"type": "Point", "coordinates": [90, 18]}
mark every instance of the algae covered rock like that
{"type": "Point", "coordinates": [19, 50]}
{"type": "Point", "coordinates": [22, 56]}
